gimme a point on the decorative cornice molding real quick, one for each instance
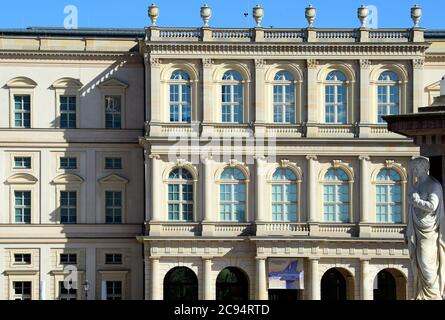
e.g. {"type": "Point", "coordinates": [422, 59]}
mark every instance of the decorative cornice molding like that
{"type": "Point", "coordinates": [63, 55]}
{"type": "Point", "coordinates": [286, 49]}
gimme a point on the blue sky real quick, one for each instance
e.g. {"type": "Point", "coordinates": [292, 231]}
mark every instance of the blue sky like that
{"type": "Point", "coordinates": [226, 13]}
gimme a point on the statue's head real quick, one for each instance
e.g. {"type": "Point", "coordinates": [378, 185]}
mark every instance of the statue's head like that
{"type": "Point", "coordinates": [420, 166]}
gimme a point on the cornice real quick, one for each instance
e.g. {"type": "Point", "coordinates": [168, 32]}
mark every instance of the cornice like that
{"type": "Point", "coordinates": [286, 49]}
{"type": "Point", "coordinates": [64, 55]}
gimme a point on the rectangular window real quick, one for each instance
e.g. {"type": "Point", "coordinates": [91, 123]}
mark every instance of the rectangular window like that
{"type": "Point", "coordinates": [114, 290]}
{"type": "Point", "coordinates": [22, 111]}
{"type": "Point", "coordinates": [113, 163]}
{"type": "Point", "coordinates": [22, 206]}
{"type": "Point", "coordinates": [113, 206]}
{"type": "Point", "coordinates": [68, 207]}
{"type": "Point", "coordinates": [113, 258]}
{"type": "Point", "coordinates": [113, 118]}
{"type": "Point", "coordinates": [22, 258]}
{"type": "Point", "coordinates": [67, 293]}
{"type": "Point", "coordinates": [22, 162]}
{"type": "Point", "coordinates": [22, 290]}
{"type": "Point", "coordinates": [68, 115]}
{"type": "Point", "coordinates": [68, 163]}
{"type": "Point", "coordinates": [68, 258]}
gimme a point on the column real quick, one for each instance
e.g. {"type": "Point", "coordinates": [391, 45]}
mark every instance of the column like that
{"type": "Point", "coordinates": [209, 204]}
{"type": "Point", "coordinates": [366, 288]}
{"type": "Point", "coordinates": [418, 86]}
{"type": "Point", "coordinates": [312, 188]}
{"type": "Point", "coordinates": [90, 273]}
{"type": "Point", "coordinates": [103, 290]}
{"type": "Point", "coordinates": [314, 279]}
{"type": "Point", "coordinates": [312, 105]}
{"type": "Point", "coordinates": [366, 111]}
{"type": "Point", "coordinates": [147, 183]}
{"type": "Point", "coordinates": [260, 98]}
{"type": "Point", "coordinates": [155, 90]}
{"type": "Point", "coordinates": [207, 284]}
{"type": "Point", "coordinates": [261, 278]}
{"type": "Point", "coordinates": [261, 207]}
{"type": "Point", "coordinates": [156, 212]}
{"type": "Point", "coordinates": [155, 281]}
{"type": "Point", "coordinates": [365, 186]}
{"type": "Point", "coordinates": [208, 189]}
{"type": "Point", "coordinates": [208, 96]}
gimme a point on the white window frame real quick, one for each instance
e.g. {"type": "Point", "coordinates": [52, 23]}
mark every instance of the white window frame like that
{"type": "Point", "coordinates": [181, 201]}
{"type": "Point", "coordinates": [285, 104]}
{"type": "Point", "coordinates": [388, 85]}
{"type": "Point", "coordinates": [180, 83]}
{"type": "Point", "coordinates": [117, 183]}
{"type": "Point", "coordinates": [114, 87]}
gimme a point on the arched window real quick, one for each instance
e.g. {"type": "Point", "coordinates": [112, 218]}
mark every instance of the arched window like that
{"type": "Point", "coordinates": [336, 196]}
{"type": "Point", "coordinates": [389, 196]}
{"type": "Point", "coordinates": [232, 195]}
{"type": "Point", "coordinates": [180, 195]}
{"type": "Point", "coordinates": [283, 98]}
{"type": "Point", "coordinates": [387, 95]}
{"type": "Point", "coordinates": [284, 196]}
{"type": "Point", "coordinates": [232, 97]}
{"type": "Point", "coordinates": [335, 98]}
{"type": "Point", "coordinates": [180, 97]}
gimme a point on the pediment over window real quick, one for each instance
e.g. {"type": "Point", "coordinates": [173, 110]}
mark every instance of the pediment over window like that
{"type": "Point", "coordinates": [113, 84]}
{"type": "Point", "coordinates": [21, 82]}
{"type": "Point", "coordinates": [67, 179]}
{"type": "Point", "coordinates": [67, 83]}
{"type": "Point", "coordinates": [22, 178]}
{"type": "Point", "coordinates": [433, 87]}
{"type": "Point", "coordinates": [433, 91]}
{"type": "Point", "coordinates": [113, 178]}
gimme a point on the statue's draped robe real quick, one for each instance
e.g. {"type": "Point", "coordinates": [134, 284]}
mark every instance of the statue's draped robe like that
{"type": "Point", "coordinates": [426, 240]}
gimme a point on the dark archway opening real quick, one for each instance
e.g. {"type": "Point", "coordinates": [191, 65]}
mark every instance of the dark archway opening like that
{"type": "Point", "coordinates": [333, 286]}
{"type": "Point", "coordinates": [386, 286]}
{"type": "Point", "coordinates": [180, 284]}
{"type": "Point", "coordinates": [232, 285]}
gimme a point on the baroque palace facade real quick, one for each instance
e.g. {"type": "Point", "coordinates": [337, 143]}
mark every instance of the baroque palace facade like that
{"type": "Point", "coordinates": [197, 162]}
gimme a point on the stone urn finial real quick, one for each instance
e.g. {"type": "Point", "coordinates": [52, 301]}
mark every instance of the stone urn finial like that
{"type": "Point", "coordinates": [362, 14]}
{"type": "Point", "coordinates": [416, 14]}
{"type": "Point", "coordinates": [311, 14]}
{"type": "Point", "coordinates": [206, 14]}
{"type": "Point", "coordinates": [258, 14]}
{"type": "Point", "coordinates": [153, 13]}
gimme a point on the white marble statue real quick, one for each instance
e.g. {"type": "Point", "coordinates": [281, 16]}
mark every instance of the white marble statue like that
{"type": "Point", "coordinates": [425, 232]}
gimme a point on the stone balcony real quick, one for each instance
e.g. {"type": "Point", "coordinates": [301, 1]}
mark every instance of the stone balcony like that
{"type": "Point", "coordinates": [276, 229]}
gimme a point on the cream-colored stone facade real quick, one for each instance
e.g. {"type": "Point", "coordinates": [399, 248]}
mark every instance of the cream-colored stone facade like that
{"type": "Point", "coordinates": [136, 67]}
{"type": "Point", "coordinates": [88, 69]}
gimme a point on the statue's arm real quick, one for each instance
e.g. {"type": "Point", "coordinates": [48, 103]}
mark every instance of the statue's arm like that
{"type": "Point", "coordinates": [429, 205]}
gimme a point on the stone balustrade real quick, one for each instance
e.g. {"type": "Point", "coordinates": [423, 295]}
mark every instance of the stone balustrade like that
{"type": "Point", "coordinates": [272, 35]}
{"type": "Point", "coordinates": [273, 229]}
